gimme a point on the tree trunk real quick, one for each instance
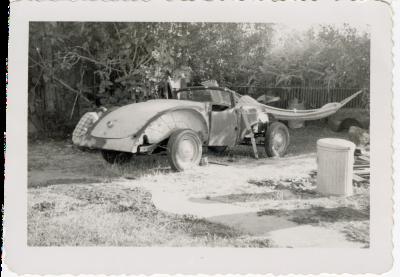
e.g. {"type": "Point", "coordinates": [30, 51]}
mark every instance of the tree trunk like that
{"type": "Point", "coordinates": [49, 92]}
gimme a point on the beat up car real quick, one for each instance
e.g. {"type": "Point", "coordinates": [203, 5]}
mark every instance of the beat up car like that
{"type": "Point", "coordinates": [200, 118]}
{"type": "Point", "coordinates": [347, 117]}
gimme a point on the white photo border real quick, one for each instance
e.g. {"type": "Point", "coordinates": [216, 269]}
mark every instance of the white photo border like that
{"type": "Point", "coordinates": [148, 260]}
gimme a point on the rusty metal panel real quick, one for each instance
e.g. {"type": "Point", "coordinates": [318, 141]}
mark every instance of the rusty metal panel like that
{"type": "Point", "coordinates": [247, 118]}
{"type": "Point", "coordinates": [130, 119]}
{"type": "Point", "coordinates": [162, 127]}
{"type": "Point", "coordinates": [224, 128]}
{"type": "Point", "coordinates": [123, 144]}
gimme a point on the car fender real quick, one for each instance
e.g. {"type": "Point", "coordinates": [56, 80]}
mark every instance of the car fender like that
{"type": "Point", "coordinates": [129, 120]}
{"type": "Point", "coordinates": [162, 125]}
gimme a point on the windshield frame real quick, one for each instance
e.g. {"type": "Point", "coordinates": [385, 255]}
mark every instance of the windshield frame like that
{"type": "Point", "coordinates": [230, 93]}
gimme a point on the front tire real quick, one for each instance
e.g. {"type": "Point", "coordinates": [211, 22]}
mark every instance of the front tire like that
{"type": "Point", "coordinates": [184, 149]}
{"type": "Point", "coordinates": [277, 140]}
{"type": "Point", "coordinates": [116, 157]}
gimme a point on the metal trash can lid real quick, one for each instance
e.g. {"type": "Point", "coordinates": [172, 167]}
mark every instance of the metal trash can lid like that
{"type": "Point", "coordinates": [336, 144]}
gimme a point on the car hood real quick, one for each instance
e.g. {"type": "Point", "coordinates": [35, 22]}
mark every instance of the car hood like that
{"type": "Point", "coordinates": [128, 120]}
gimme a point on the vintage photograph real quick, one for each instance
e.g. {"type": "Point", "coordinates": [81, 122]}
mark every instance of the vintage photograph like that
{"type": "Point", "coordinates": [198, 134]}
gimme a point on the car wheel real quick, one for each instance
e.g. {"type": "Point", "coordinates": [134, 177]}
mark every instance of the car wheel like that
{"type": "Point", "coordinates": [116, 157]}
{"type": "Point", "coordinates": [334, 124]}
{"type": "Point", "coordinates": [217, 149]}
{"type": "Point", "coordinates": [276, 140]}
{"type": "Point", "coordinates": [348, 122]}
{"type": "Point", "coordinates": [184, 149]}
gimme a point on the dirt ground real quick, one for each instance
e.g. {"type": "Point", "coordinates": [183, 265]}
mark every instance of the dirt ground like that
{"type": "Point", "coordinates": [76, 198]}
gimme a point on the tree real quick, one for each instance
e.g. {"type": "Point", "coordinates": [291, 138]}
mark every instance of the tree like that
{"type": "Point", "coordinates": [331, 55]}
{"type": "Point", "coordinates": [78, 64]}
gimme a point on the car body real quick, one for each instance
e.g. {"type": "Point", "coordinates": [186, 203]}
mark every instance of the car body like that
{"type": "Point", "coordinates": [212, 116]}
{"type": "Point", "coordinates": [347, 117]}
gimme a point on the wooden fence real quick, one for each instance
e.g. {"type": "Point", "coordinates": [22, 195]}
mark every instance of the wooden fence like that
{"type": "Point", "coordinates": [313, 97]}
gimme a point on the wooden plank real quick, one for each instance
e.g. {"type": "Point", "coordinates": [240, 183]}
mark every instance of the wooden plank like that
{"type": "Point", "coordinates": [211, 162]}
{"type": "Point", "coordinates": [361, 162]}
{"type": "Point", "coordinates": [362, 166]}
{"type": "Point", "coordinates": [365, 175]}
{"type": "Point", "coordinates": [248, 128]}
{"type": "Point", "coordinates": [253, 144]}
{"type": "Point", "coordinates": [361, 171]}
{"type": "Point", "coordinates": [364, 158]}
{"type": "Point", "coordinates": [358, 178]}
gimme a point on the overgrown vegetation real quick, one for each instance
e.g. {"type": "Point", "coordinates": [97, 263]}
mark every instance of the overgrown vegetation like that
{"type": "Point", "coordinates": [75, 65]}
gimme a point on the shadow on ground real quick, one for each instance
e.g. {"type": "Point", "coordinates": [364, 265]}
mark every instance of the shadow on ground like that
{"type": "Point", "coordinates": [316, 215]}
{"type": "Point", "coordinates": [55, 162]}
{"type": "Point", "coordinates": [59, 162]}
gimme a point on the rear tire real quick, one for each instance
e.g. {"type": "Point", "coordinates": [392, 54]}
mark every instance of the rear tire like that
{"type": "Point", "coordinates": [116, 157]}
{"type": "Point", "coordinates": [217, 149]}
{"type": "Point", "coordinates": [276, 140]}
{"type": "Point", "coordinates": [334, 125]}
{"type": "Point", "coordinates": [347, 123]}
{"type": "Point", "coordinates": [184, 149]}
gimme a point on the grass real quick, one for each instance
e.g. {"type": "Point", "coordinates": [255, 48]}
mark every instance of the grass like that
{"type": "Point", "coordinates": [349, 215]}
{"type": "Point", "coordinates": [59, 162]}
{"type": "Point", "coordinates": [112, 215]}
{"type": "Point", "coordinates": [75, 199]}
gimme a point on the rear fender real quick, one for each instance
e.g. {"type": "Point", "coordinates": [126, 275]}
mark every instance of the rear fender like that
{"type": "Point", "coordinates": [161, 126]}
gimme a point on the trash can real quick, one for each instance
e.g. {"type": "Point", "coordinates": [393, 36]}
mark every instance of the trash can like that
{"type": "Point", "coordinates": [335, 159]}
